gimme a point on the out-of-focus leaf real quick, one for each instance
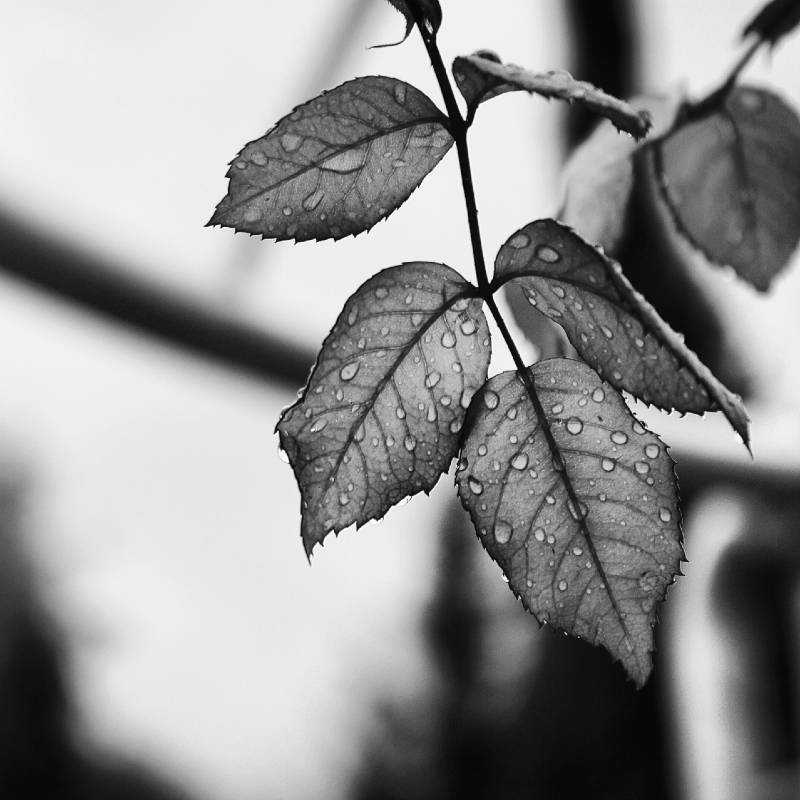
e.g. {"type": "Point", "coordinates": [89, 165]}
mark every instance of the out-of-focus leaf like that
{"type": "Point", "coordinates": [774, 20]}
{"type": "Point", "coordinates": [609, 323]}
{"type": "Point", "coordinates": [598, 178]}
{"type": "Point", "coordinates": [381, 415]}
{"type": "Point", "coordinates": [430, 9]}
{"type": "Point", "coordinates": [578, 504]}
{"type": "Point", "coordinates": [731, 180]}
{"type": "Point", "coordinates": [481, 76]}
{"type": "Point", "coordinates": [336, 165]}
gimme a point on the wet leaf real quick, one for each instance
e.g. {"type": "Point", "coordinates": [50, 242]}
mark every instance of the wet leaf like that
{"type": "Point", "coordinates": [381, 415]}
{"type": "Point", "coordinates": [774, 20]}
{"type": "Point", "coordinates": [430, 9]}
{"type": "Point", "coordinates": [578, 504]}
{"type": "Point", "coordinates": [731, 180]}
{"type": "Point", "coordinates": [481, 76]}
{"type": "Point", "coordinates": [598, 178]}
{"type": "Point", "coordinates": [609, 323]}
{"type": "Point", "coordinates": [336, 165]}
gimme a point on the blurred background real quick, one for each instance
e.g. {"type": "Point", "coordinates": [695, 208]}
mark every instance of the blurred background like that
{"type": "Point", "coordinates": [161, 632]}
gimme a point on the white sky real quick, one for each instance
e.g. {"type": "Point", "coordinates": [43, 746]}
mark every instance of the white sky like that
{"type": "Point", "coordinates": [166, 526]}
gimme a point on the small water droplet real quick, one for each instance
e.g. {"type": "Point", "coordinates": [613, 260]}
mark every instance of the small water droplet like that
{"type": "Point", "coordinates": [390, 440]}
{"type": "Point", "coordinates": [400, 412]}
{"type": "Point", "coordinates": [512, 412]}
{"type": "Point", "coordinates": [608, 464]}
{"type": "Point", "coordinates": [503, 531]}
{"type": "Point", "coordinates": [344, 499]}
{"type": "Point", "coordinates": [642, 467]}
{"type": "Point", "coordinates": [519, 461]}
{"type": "Point", "coordinates": [491, 399]}
{"type": "Point", "coordinates": [558, 291]}
{"type": "Point", "coordinates": [400, 93]}
{"type": "Point", "coordinates": [547, 254]}
{"type": "Point", "coordinates": [598, 395]}
{"type": "Point", "coordinates": [348, 371]}
{"type": "Point", "coordinates": [287, 211]}
{"type": "Point", "coordinates": [664, 514]}
{"type": "Point", "coordinates": [551, 540]}
{"type": "Point", "coordinates": [482, 450]}
{"type": "Point", "coordinates": [652, 450]}
{"type": "Point", "coordinates": [607, 332]}
{"type": "Point", "coordinates": [618, 437]}
{"type": "Point", "coordinates": [410, 443]}
{"type": "Point", "coordinates": [352, 316]}
{"type": "Point", "coordinates": [455, 426]}
{"type": "Point", "coordinates": [577, 512]}
{"type": "Point", "coordinates": [290, 142]}
{"type": "Point", "coordinates": [258, 158]}
{"type": "Point", "coordinates": [577, 550]}
{"type": "Point", "coordinates": [468, 327]}
{"type": "Point", "coordinates": [359, 434]}
{"type": "Point", "coordinates": [476, 487]}
{"type": "Point", "coordinates": [448, 339]}
{"type": "Point", "coordinates": [637, 427]}
{"type": "Point", "coordinates": [346, 161]}
{"type": "Point", "coordinates": [461, 304]}
{"type": "Point", "coordinates": [462, 464]}
{"type": "Point", "coordinates": [557, 408]}
{"type": "Point", "coordinates": [381, 292]}
{"type": "Point", "coordinates": [539, 534]}
{"type": "Point", "coordinates": [313, 200]}
{"type": "Point", "coordinates": [550, 500]}
{"type": "Point", "coordinates": [431, 416]}
{"type": "Point", "coordinates": [562, 585]}
{"type": "Point", "coordinates": [466, 397]}
{"type": "Point", "coordinates": [252, 214]}
{"type": "Point", "coordinates": [574, 426]}
{"type": "Point", "coordinates": [416, 319]}
{"type": "Point", "coordinates": [445, 400]}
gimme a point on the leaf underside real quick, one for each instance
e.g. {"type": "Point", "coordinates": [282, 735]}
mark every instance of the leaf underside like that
{"type": "Point", "coordinates": [382, 413]}
{"type": "Point", "coordinates": [336, 165]}
{"type": "Point", "coordinates": [613, 328]}
{"type": "Point", "coordinates": [731, 180]}
{"type": "Point", "coordinates": [431, 15]}
{"type": "Point", "coordinates": [774, 20]}
{"type": "Point", "coordinates": [480, 77]}
{"type": "Point", "coordinates": [586, 531]}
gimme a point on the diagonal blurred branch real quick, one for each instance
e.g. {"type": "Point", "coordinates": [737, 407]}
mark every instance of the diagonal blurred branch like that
{"type": "Point", "coordinates": [115, 292]}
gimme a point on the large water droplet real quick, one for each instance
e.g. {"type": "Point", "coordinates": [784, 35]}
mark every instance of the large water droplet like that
{"type": "Point", "coordinates": [346, 161]}
{"type": "Point", "coordinates": [503, 531]}
{"type": "Point", "coordinates": [598, 395]}
{"type": "Point", "coordinates": [574, 426]}
{"type": "Point", "coordinates": [448, 339]}
{"type": "Point", "coordinates": [476, 487]}
{"type": "Point", "coordinates": [652, 450]}
{"type": "Point", "coordinates": [519, 461]}
{"type": "Point", "coordinates": [608, 464]}
{"type": "Point", "coordinates": [547, 254]}
{"type": "Point", "coordinates": [468, 327]}
{"type": "Point", "coordinates": [348, 371]}
{"type": "Point", "coordinates": [618, 437]}
{"type": "Point", "coordinates": [491, 399]}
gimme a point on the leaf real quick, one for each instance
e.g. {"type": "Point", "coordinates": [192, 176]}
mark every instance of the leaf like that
{"type": "Point", "coordinates": [609, 323]}
{"type": "Point", "coordinates": [336, 165]}
{"type": "Point", "coordinates": [774, 20]}
{"type": "Point", "coordinates": [577, 503]}
{"type": "Point", "coordinates": [731, 180]}
{"type": "Point", "coordinates": [481, 76]}
{"type": "Point", "coordinates": [599, 176]}
{"type": "Point", "coordinates": [431, 14]}
{"type": "Point", "coordinates": [381, 415]}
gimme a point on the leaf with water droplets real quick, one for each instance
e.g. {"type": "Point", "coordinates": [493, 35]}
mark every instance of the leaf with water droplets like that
{"type": "Point", "coordinates": [336, 165]}
{"type": "Point", "coordinates": [609, 323]}
{"type": "Point", "coordinates": [731, 179]}
{"type": "Point", "coordinates": [382, 413]}
{"type": "Point", "coordinates": [774, 20]}
{"type": "Point", "coordinates": [577, 502]}
{"type": "Point", "coordinates": [482, 76]}
{"type": "Point", "coordinates": [430, 10]}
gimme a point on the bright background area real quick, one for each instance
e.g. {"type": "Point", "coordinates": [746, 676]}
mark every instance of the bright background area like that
{"type": "Point", "coordinates": [165, 527]}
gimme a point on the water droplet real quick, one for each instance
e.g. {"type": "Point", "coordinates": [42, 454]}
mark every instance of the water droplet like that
{"type": "Point", "coordinates": [352, 316]}
{"type": "Point", "coordinates": [558, 291]}
{"type": "Point", "coordinates": [359, 434]}
{"type": "Point", "coordinates": [390, 440]}
{"type": "Point", "coordinates": [664, 514]}
{"type": "Point", "coordinates": [578, 551]}
{"type": "Point", "coordinates": [512, 412]}
{"type": "Point", "coordinates": [410, 442]}
{"type": "Point", "coordinates": [608, 464]}
{"type": "Point", "coordinates": [258, 158]}
{"type": "Point", "coordinates": [577, 512]}
{"type": "Point", "coordinates": [431, 416]}
{"type": "Point", "coordinates": [448, 339]}
{"type": "Point", "coordinates": [381, 292]}
{"type": "Point", "coordinates": [482, 450]}
{"type": "Point", "coordinates": [618, 437]}
{"type": "Point", "coordinates": [562, 585]}
{"type": "Point", "coordinates": [476, 487]}
{"type": "Point", "coordinates": [400, 412]}
{"type": "Point", "coordinates": [241, 165]}
{"type": "Point", "coordinates": [461, 304]}
{"type": "Point", "coordinates": [457, 367]}
{"type": "Point", "coordinates": [445, 400]}
{"type": "Point", "coordinates": [290, 142]}
{"type": "Point", "coordinates": [519, 461]}
{"type": "Point", "coordinates": [551, 540]}
{"type": "Point", "coordinates": [468, 327]}
{"type": "Point", "coordinates": [346, 161]}
{"type": "Point", "coordinates": [348, 371]}
{"type": "Point", "coordinates": [287, 211]}
{"type": "Point", "coordinates": [502, 532]}
{"type": "Point", "coordinates": [466, 397]}
{"type": "Point", "coordinates": [607, 332]}
{"type": "Point", "coordinates": [642, 467]}
{"type": "Point", "coordinates": [455, 425]}
{"type": "Point", "coordinates": [344, 499]}
{"type": "Point", "coordinates": [639, 342]}
{"type": "Point", "coordinates": [557, 408]}
{"type": "Point", "coordinates": [550, 500]}
{"type": "Point", "coordinates": [539, 534]}
{"type": "Point", "coordinates": [574, 426]}
{"type": "Point", "coordinates": [416, 319]}
{"type": "Point", "coordinates": [558, 463]}
{"type": "Point", "coordinates": [547, 254]}
{"type": "Point", "coordinates": [432, 378]}
{"type": "Point", "coordinates": [652, 450]}
{"type": "Point", "coordinates": [491, 399]}
{"type": "Point", "coordinates": [400, 93]}
{"type": "Point", "coordinates": [638, 428]}
{"type": "Point", "coordinates": [598, 395]}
